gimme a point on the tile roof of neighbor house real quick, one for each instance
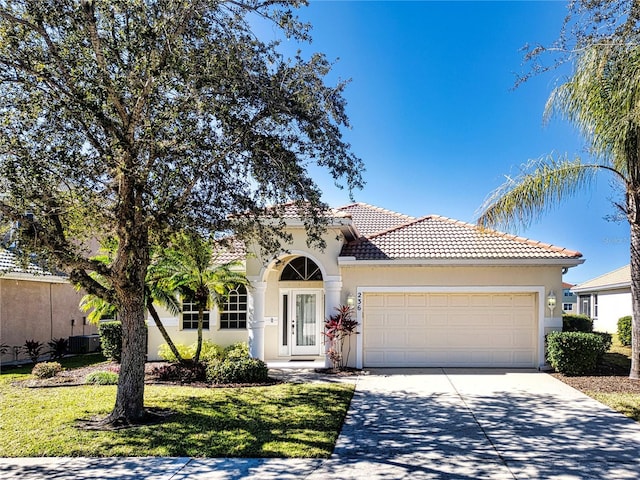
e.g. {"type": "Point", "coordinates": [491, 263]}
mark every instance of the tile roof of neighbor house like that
{"type": "Point", "coordinates": [437, 238]}
{"type": "Point", "coordinates": [621, 277]}
{"type": "Point", "coordinates": [9, 263]}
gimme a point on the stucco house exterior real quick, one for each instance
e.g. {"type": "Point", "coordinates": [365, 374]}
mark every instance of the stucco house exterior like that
{"type": "Point", "coordinates": [36, 305]}
{"type": "Point", "coordinates": [606, 298]}
{"type": "Point", "coordinates": [427, 292]}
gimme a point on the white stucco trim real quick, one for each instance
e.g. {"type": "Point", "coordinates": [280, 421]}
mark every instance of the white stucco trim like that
{"type": "Point", "coordinates": [498, 262]}
{"type": "Point", "coordinates": [262, 276]}
{"type": "Point", "coordinates": [540, 290]}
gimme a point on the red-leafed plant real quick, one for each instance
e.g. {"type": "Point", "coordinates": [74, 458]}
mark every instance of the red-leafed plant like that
{"type": "Point", "coordinates": [337, 329]}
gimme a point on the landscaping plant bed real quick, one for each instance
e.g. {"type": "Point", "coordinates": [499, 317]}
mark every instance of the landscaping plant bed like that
{"type": "Point", "coordinates": [601, 383]}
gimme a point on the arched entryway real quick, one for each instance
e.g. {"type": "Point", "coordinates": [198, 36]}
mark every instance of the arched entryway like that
{"type": "Point", "coordinates": [301, 308]}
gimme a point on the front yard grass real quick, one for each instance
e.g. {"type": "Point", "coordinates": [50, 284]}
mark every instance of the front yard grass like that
{"type": "Point", "coordinates": [611, 385]}
{"type": "Point", "coordinates": [282, 420]}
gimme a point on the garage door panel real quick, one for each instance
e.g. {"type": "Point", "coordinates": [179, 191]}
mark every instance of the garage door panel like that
{"type": "Point", "coordinates": [417, 319]}
{"type": "Point", "coordinates": [450, 330]}
{"type": "Point", "coordinates": [395, 300]}
{"type": "Point", "coordinates": [417, 300]}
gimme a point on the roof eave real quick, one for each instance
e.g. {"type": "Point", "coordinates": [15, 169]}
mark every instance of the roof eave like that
{"type": "Point", "coordinates": [601, 288]}
{"type": "Point", "coordinates": [560, 262]}
{"type": "Point", "coordinates": [46, 278]}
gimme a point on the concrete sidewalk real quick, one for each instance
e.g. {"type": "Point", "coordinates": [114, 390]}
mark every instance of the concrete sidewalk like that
{"type": "Point", "coordinates": [421, 424]}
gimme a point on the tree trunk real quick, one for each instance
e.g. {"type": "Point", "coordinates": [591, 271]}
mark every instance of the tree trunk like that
{"type": "Point", "coordinates": [165, 335]}
{"type": "Point", "coordinates": [635, 301]}
{"type": "Point", "coordinates": [196, 358]}
{"type": "Point", "coordinates": [129, 407]}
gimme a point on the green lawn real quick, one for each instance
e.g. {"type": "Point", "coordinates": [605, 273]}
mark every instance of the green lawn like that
{"type": "Point", "coordinates": [284, 420]}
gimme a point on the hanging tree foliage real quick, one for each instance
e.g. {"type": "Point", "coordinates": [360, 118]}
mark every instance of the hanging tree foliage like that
{"type": "Point", "coordinates": [132, 119]}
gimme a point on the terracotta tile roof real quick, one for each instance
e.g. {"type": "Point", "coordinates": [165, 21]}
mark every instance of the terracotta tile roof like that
{"type": "Point", "coordinates": [436, 237]}
{"type": "Point", "coordinates": [620, 277]}
{"type": "Point", "coordinates": [230, 250]}
{"type": "Point", "coordinates": [369, 219]}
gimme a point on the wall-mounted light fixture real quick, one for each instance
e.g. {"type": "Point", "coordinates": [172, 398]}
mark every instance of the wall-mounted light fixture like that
{"type": "Point", "coordinates": [351, 300]}
{"type": "Point", "coordinates": [551, 301]}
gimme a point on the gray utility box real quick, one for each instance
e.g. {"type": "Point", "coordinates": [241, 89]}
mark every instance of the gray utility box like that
{"type": "Point", "coordinates": [84, 344]}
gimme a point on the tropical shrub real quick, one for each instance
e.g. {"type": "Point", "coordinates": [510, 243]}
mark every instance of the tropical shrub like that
{"type": "Point", "coordinates": [575, 353]}
{"type": "Point", "coordinates": [237, 350]}
{"type": "Point", "coordinates": [46, 369]}
{"type": "Point", "coordinates": [624, 330]}
{"type": "Point", "coordinates": [165, 353]}
{"type": "Point", "coordinates": [58, 347]}
{"type": "Point", "coordinates": [33, 349]}
{"type": "Point", "coordinates": [111, 340]}
{"type": "Point", "coordinates": [337, 331]}
{"type": "Point", "coordinates": [577, 323]}
{"type": "Point", "coordinates": [237, 370]}
{"type": "Point", "coordinates": [210, 352]}
{"type": "Point", "coordinates": [185, 373]}
{"type": "Point", "coordinates": [102, 378]}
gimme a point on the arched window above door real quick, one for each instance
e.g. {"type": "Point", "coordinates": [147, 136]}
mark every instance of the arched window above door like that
{"type": "Point", "coordinates": [301, 269]}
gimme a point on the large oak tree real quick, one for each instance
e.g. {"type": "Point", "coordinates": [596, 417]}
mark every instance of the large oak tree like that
{"type": "Point", "coordinates": [133, 119]}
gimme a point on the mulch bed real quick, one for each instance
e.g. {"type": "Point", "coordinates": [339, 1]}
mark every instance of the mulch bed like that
{"type": "Point", "coordinates": [76, 376]}
{"type": "Point", "coordinates": [601, 383]}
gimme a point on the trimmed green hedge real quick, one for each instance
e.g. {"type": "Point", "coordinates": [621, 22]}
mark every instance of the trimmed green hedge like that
{"type": "Point", "coordinates": [238, 370]}
{"type": "Point", "coordinates": [111, 340]}
{"type": "Point", "coordinates": [577, 323]}
{"type": "Point", "coordinates": [576, 353]}
{"type": "Point", "coordinates": [624, 330]}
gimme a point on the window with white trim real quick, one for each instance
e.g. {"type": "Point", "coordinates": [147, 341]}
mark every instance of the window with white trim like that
{"type": "Point", "coordinates": [190, 316]}
{"type": "Point", "coordinates": [234, 312]}
{"type": "Point", "coordinates": [567, 307]}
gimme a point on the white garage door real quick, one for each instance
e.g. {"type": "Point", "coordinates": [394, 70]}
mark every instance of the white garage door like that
{"type": "Point", "coordinates": [449, 330]}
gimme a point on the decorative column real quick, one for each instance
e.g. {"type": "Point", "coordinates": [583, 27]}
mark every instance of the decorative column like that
{"type": "Point", "coordinates": [256, 322]}
{"type": "Point", "coordinates": [332, 293]}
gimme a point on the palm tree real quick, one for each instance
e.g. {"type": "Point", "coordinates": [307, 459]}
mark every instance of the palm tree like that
{"type": "Point", "coordinates": [602, 99]}
{"type": "Point", "coordinates": [154, 293]}
{"type": "Point", "coordinates": [189, 266]}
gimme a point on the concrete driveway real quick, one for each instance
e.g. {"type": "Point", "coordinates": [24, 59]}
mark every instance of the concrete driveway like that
{"type": "Point", "coordinates": [421, 424]}
{"type": "Point", "coordinates": [468, 424]}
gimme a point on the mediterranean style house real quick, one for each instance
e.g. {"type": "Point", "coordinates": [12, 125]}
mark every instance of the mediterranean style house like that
{"type": "Point", "coordinates": [427, 292]}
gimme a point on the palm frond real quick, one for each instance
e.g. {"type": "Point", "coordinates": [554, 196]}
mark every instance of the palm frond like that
{"type": "Point", "coordinates": [524, 198]}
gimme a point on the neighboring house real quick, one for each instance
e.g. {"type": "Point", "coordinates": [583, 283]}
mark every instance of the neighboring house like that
{"type": "Point", "coordinates": [428, 292]}
{"type": "Point", "coordinates": [569, 299]}
{"type": "Point", "coordinates": [606, 298]}
{"type": "Point", "coordinates": [36, 305]}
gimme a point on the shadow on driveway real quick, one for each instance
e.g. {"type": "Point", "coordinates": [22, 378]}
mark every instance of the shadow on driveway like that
{"type": "Point", "coordinates": [470, 424]}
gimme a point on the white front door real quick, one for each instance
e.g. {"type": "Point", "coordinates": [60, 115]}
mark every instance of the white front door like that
{"type": "Point", "coordinates": [305, 322]}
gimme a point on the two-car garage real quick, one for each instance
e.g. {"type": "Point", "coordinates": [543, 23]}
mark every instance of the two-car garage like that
{"type": "Point", "coordinates": [439, 328]}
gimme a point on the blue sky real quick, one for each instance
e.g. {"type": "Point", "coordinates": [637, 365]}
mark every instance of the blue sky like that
{"type": "Point", "coordinates": [436, 120]}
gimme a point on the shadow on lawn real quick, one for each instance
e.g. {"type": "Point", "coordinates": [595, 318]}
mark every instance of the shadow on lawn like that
{"type": "Point", "coordinates": [240, 424]}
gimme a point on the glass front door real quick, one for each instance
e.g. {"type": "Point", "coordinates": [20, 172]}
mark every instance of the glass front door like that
{"type": "Point", "coordinates": [305, 323]}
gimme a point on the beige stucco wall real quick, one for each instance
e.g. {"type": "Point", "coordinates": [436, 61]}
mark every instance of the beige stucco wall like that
{"type": "Point", "coordinates": [327, 259]}
{"type": "Point", "coordinates": [38, 310]}
{"type": "Point", "coordinates": [188, 337]}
